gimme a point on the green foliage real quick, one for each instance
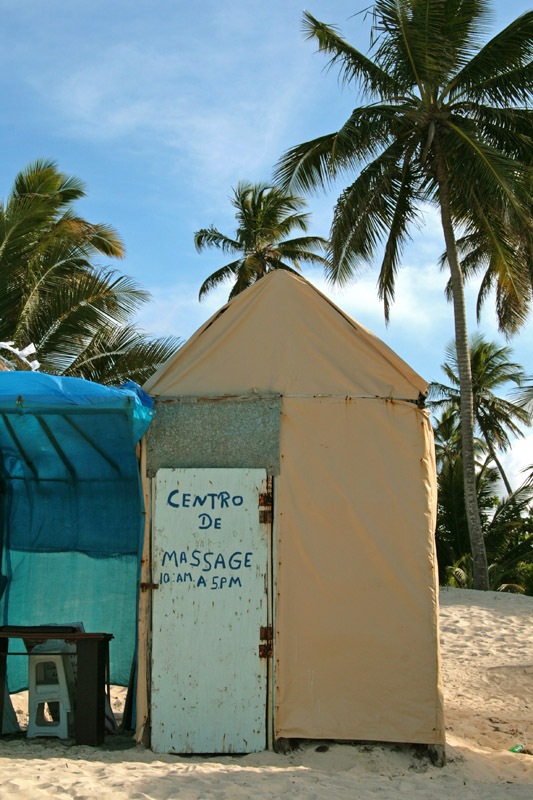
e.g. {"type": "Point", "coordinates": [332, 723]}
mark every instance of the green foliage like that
{"type": "Point", "coordinates": [452, 538]}
{"type": "Point", "coordinates": [524, 398]}
{"type": "Point", "coordinates": [497, 418]}
{"type": "Point", "coordinates": [507, 523]}
{"type": "Point", "coordinates": [524, 577]}
{"type": "Point", "coordinates": [265, 216]}
{"type": "Point", "coordinates": [459, 575]}
{"type": "Point", "coordinates": [52, 294]}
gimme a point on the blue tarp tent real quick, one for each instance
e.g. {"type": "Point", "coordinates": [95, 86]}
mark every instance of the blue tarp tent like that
{"type": "Point", "coordinates": [71, 512]}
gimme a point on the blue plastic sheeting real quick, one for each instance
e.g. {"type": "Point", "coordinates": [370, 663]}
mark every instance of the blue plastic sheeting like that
{"type": "Point", "coordinates": [37, 389]}
{"type": "Point", "coordinates": [71, 507]}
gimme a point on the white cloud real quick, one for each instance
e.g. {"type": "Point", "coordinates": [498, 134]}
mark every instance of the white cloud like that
{"type": "Point", "coordinates": [419, 297]}
{"type": "Point", "coordinates": [217, 113]}
{"type": "Point", "coordinates": [176, 311]}
{"type": "Point", "coordinates": [518, 458]}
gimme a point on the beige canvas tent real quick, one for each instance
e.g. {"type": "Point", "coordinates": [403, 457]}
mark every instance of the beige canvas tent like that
{"type": "Point", "coordinates": [281, 378]}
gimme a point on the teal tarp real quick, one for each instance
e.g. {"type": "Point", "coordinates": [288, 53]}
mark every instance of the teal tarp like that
{"type": "Point", "coordinates": [71, 508]}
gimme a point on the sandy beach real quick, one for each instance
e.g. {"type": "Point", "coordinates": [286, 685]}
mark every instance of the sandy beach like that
{"type": "Point", "coordinates": [487, 663]}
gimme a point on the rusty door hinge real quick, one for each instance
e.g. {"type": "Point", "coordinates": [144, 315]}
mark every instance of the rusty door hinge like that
{"type": "Point", "coordinates": [265, 507]}
{"type": "Point", "coordinates": [266, 633]}
{"type": "Point", "coordinates": [145, 587]}
{"type": "Point", "coordinates": [265, 499]}
{"type": "Point", "coordinates": [266, 649]}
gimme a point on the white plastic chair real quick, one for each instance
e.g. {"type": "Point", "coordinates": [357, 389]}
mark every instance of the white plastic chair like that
{"type": "Point", "coordinates": [50, 684]}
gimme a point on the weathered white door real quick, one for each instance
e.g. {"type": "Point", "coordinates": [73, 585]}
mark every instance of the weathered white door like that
{"type": "Point", "coordinates": [210, 559]}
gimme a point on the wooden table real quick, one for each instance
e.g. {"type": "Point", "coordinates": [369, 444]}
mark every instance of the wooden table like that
{"type": "Point", "coordinates": [92, 650]}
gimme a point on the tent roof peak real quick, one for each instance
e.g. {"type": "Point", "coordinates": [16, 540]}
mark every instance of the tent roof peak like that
{"type": "Point", "coordinates": [283, 335]}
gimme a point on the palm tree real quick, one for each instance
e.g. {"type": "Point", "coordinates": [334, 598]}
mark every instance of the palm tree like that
{"type": "Point", "coordinates": [451, 535]}
{"type": "Point", "coordinates": [452, 539]}
{"type": "Point", "coordinates": [497, 418]}
{"type": "Point", "coordinates": [53, 296]}
{"type": "Point", "coordinates": [447, 435]}
{"type": "Point", "coordinates": [509, 538]}
{"type": "Point", "coordinates": [448, 123]}
{"type": "Point", "coordinates": [265, 216]}
{"type": "Point", "coordinates": [507, 523]}
{"type": "Point", "coordinates": [508, 531]}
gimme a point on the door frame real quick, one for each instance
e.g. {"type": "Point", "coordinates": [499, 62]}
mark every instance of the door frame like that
{"type": "Point", "coordinates": [272, 614]}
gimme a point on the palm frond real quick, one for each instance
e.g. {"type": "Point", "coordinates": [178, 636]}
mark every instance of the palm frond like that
{"type": "Point", "coordinates": [52, 295]}
{"type": "Point", "coordinates": [405, 38]}
{"type": "Point", "coordinates": [211, 237]}
{"type": "Point", "coordinates": [507, 269]}
{"type": "Point", "coordinates": [265, 216]}
{"type": "Point", "coordinates": [77, 309]}
{"type": "Point", "coordinates": [303, 243]}
{"type": "Point", "coordinates": [219, 276]}
{"type": "Point", "coordinates": [509, 130]}
{"type": "Point", "coordinates": [42, 179]}
{"type": "Point", "coordinates": [403, 215]}
{"type": "Point", "coordinates": [367, 131]}
{"type": "Point", "coordinates": [365, 211]}
{"type": "Point", "coordinates": [501, 245]}
{"type": "Point", "coordinates": [308, 165]}
{"type": "Point", "coordinates": [353, 65]}
{"type": "Point", "coordinates": [300, 255]}
{"type": "Point", "coordinates": [246, 276]}
{"type": "Point", "coordinates": [90, 238]}
{"type": "Point", "coordinates": [116, 354]}
{"type": "Point", "coordinates": [501, 72]}
{"type": "Point", "coordinates": [478, 169]}
{"type": "Point", "coordinates": [497, 418]}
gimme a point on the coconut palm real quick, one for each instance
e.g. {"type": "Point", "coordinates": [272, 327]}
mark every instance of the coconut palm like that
{"type": "Point", "coordinates": [53, 296]}
{"type": "Point", "coordinates": [447, 123]}
{"type": "Point", "coordinates": [451, 535]}
{"type": "Point", "coordinates": [496, 417]}
{"type": "Point", "coordinates": [509, 537]}
{"type": "Point", "coordinates": [452, 529]}
{"type": "Point", "coordinates": [447, 435]}
{"type": "Point", "coordinates": [507, 526]}
{"type": "Point", "coordinates": [507, 523]}
{"type": "Point", "coordinates": [265, 216]}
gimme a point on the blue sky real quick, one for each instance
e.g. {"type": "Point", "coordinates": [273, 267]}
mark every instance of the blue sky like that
{"type": "Point", "coordinates": [161, 107]}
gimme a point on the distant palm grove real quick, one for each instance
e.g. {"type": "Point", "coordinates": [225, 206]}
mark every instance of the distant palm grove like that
{"type": "Point", "coordinates": [505, 513]}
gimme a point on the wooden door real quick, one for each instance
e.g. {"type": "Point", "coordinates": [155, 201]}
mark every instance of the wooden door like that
{"type": "Point", "coordinates": [210, 560]}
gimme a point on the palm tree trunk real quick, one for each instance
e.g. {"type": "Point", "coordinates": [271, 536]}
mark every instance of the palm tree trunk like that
{"type": "Point", "coordinates": [477, 542]}
{"type": "Point", "coordinates": [496, 460]}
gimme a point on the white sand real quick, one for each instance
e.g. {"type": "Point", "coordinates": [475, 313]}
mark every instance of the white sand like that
{"type": "Point", "coordinates": [487, 649]}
